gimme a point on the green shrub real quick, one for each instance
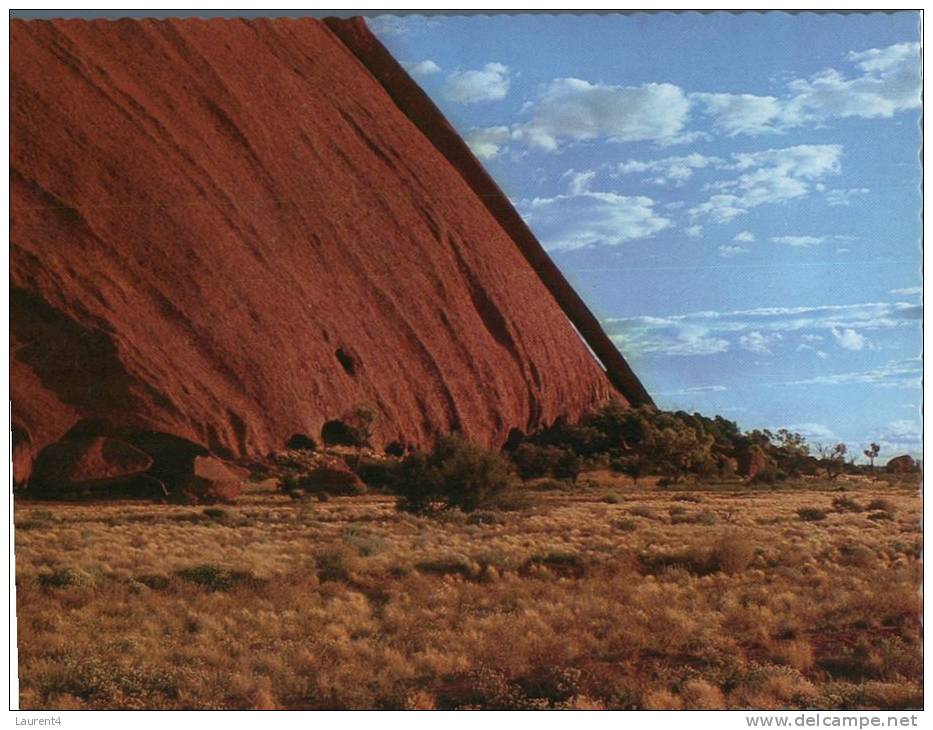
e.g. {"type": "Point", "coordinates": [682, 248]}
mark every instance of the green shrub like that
{"type": "Point", "coordinates": [454, 474]}
{"type": "Point", "coordinates": [567, 466]}
{"type": "Point", "coordinates": [66, 578]}
{"type": "Point", "coordinates": [533, 461]}
{"type": "Point", "coordinates": [703, 517]}
{"type": "Point", "coordinates": [811, 514]}
{"type": "Point", "coordinates": [215, 577]}
{"type": "Point", "coordinates": [378, 473]}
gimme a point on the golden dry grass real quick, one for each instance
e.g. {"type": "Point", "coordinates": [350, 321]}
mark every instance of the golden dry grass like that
{"type": "Point", "coordinates": [647, 599]}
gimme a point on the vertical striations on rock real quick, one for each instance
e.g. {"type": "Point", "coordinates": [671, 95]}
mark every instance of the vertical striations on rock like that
{"type": "Point", "coordinates": [229, 232]}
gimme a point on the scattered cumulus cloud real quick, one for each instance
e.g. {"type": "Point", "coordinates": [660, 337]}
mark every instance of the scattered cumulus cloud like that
{"type": "Point", "coordinates": [889, 83]}
{"type": "Point", "coordinates": [491, 83]}
{"type": "Point", "coordinates": [682, 342]}
{"type": "Point", "coordinates": [694, 390]}
{"type": "Point", "coordinates": [884, 81]}
{"type": "Point", "coordinates": [488, 142]}
{"type": "Point", "coordinates": [734, 114]}
{"type": "Point", "coordinates": [422, 68]}
{"type": "Point", "coordinates": [811, 431]}
{"type": "Point", "coordinates": [893, 374]}
{"type": "Point", "coordinates": [727, 251]}
{"type": "Point", "coordinates": [821, 354]}
{"type": "Point", "coordinates": [710, 332]}
{"type": "Point", "coordinates": [880, 83]}
{"type": "Point", "coordinates": [768, 177]}
{"type": "Point", "coordinates": [798, 241]}
{"type": "Point", "coordinates": [838, 197]}
{"type": "Point", "coordinates": [849, 339]}
{"type": "Point", "coordinates": [399, 25]}
{"type": "Point", "coordinates": [759, 343]}
{"type": "Point", "coordinates": [575, 110]}
{"type": "Point", "coordinates": [694, 231]}
{"type": "Point", "coordinates": [580, 181]}
{"type": "Point", "coordinates": [744, 237]}
{"type": "Point", "coordinates": [907, 292]}
{"type": "Point", "coordinates": [587, 218]}
{"type": "Point", "coordinates": [669, 170]}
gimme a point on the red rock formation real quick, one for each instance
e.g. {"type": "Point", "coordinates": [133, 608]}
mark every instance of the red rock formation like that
{"type": "Point", "coordinates": [901, 465]}
{"type": "Point", "coordinates": [230, 231]}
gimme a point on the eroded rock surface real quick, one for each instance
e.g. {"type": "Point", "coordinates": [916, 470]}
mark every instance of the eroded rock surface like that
{"type": "Point", "coordinates": [230, 232]}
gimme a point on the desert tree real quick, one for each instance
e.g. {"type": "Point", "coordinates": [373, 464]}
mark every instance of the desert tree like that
{"type": "Point", "coordinates": [833, 459]}
{"type": "Point", "coordinates": [872, 453]}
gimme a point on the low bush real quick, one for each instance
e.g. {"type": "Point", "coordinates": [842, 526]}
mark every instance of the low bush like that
{"type": "Point", "coordinates": [811, 514]}
{"type": "Point", "coordinates": [454, 474]}
{"type": "Point", "coordinates": [533, 461]}
{"type": "Point", "coordinates": [846, 504]}
{"type": "Point", "coordinates": [703, 517]}
{"type": "Point", "coordinates": [882, 505]}
{"type": "Point", "coordinates": [216, 577]}
{"type": "Point", "coordinates": [731, 553]}
{"type": "Point", "coordinates": [378, 473]}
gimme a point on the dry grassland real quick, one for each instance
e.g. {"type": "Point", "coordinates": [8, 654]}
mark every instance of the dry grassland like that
{"type": "Point", "coordinates": [612, 598]}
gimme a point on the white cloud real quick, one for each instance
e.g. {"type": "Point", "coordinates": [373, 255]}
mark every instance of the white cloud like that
{"type": "Point", "coordinates": [887, 81]}
{"type": "Point", "coordinates": [422, 68]}
{"type": "Point", "coordinates": [894, 374]}
{"type": "Point", "coordinates": [399, 25]}
{"type": "Point", "coordinates": [488, 142]}
{"type": "Point", "coordinates": [491, 83]}
{"type": "Point", "coordinates": [744, 237]}
{"type": "Point", "coordinates": [694, 390]}
{"type": "Point", "coordinates": [908, 292]}
{"type": "Point", "coordinates": [727, 251]}
{"type": "Point", "coordinates": [806, 161]}
{"type": "Point", "coordinates": [740, 113]}
{"type": "Point", "coordinates": [811, 431]}
{"type": "Point", "coordinates": [809, 348]}
{"type": "Point", "coordinates": [693, 231]}
{"type": "Point", "coordinates": [768, 177]}
{"type": "Point", "coordinates": [580, 181]}
{"type": "Point", "coordinates": [575, 110]}
{"type": "Point", "coordinates": [799, 241]}
{"type": "Point", "coordinates": [685, 343]}
{"type": "Point", "coordinates": [590, 218]}
{"type": "Point", "coordinates": [890, 82]}
{"type": "Point", "coordinates": [759, 343]}
{"type": "Point", "coordinates": [849, 339]}
{"type": "Point", "coordinates": [707, 332]}
{"type": "Point", "coordinates": [667, 171]}
{"type": "Point", "coordinates": [844, 197]}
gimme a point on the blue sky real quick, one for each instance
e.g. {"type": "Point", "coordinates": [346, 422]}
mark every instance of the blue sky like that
{"type": "Point", "coordinates": [735, 196]}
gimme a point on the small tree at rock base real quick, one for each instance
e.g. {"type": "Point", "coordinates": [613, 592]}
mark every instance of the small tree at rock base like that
{"type": "Point", "coordinates": [454, 474]}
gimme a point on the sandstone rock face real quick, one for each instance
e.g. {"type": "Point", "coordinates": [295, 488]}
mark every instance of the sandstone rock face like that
{"type": "Point", "coordinates": [211, 482]}
{"type": "Point", "coordinates": [333, 480]}
{"type": "Point", "coordinates": [229, 232]}
{"type": "Point", "coordinates": [901, 465]}
{"type": "Point", "coordinates": [83, 461]}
